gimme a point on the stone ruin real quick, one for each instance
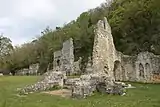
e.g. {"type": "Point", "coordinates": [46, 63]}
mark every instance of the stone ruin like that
{"type": "Point", "coordinates": [48, 81]}
{"type": "Point", "coordinates": [64, 59]}
{"type": "Point", "coordinates": [31, 70]}
{"type": "Point", "coordinates": [63, 65]}
{"type": "Point", "coordinates": [104, 68]}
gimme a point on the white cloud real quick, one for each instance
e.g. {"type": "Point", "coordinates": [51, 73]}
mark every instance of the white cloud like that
{"type": "Point", "coordinates": [22, 20]}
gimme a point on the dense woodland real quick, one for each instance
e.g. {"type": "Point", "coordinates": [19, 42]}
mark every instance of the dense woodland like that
{"type": "Point", "coordinates": [135, 27]}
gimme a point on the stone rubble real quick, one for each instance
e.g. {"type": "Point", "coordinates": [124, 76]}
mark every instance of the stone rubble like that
{"type": "Point", "coordinates": [49, 80]}
{"type": "Point", "coordinates": [88, 84]}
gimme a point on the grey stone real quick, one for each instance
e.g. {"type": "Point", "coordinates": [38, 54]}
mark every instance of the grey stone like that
{"type": "Point", "coordinates": [48, 81]}
{"type": "Point", "coordinates": [68, 57]}
{"type": "Point", "coordinates": [32, 70]}
{"type": "Point", "coordinates": [89, 68]}
{"type": "Point", "coordinates": [103, 49]}
{"type": "Point", "coordinates": [88, 84]}
{"type": "Point", "coordinates": [144, 67]}
{"type": "Point", "coordinates": [57, 60]}
{"type": "Point", "coordinates": [77, 66]}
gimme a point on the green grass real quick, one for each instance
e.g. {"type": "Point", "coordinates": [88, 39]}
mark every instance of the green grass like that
{"type": "Point", "coordinates": [145, 95]}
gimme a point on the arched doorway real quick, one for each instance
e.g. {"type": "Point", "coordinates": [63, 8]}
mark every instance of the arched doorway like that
{"type": "Point", "coordinates": [141, 70]}
{"type": "Point", "coordinates": [118, 74]}
{"type": "Point", "coordinates": [58, 63]}
{"type": "Point", "coordinates": [147, 70]}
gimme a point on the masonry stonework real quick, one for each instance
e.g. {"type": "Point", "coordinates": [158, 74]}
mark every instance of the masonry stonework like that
{"type": "Point", "coordinates": [144, 67]}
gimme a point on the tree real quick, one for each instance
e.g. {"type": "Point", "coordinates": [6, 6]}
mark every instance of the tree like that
{"type": "Point", "coordinates": [5, 46]}
{"type": "Point", "coordinates": [5, 50]}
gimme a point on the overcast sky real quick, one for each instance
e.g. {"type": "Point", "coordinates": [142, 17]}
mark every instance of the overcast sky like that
{"type": "Point", "coordinates": [23, 20]}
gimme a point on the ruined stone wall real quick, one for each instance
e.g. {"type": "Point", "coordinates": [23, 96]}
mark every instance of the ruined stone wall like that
{"type": "Point", "coordinates": [128, 68]}
{"type": "Point", "coordinates": [57, 60]}
{"type": "Point", "coordinates": [33, 69]}
{"type": "Point", "coordinates": [142, 67]}
{"type": "Point", "coordinates": [22, 72]}
{"type": "Point", "coordinates": [77, 66]}
{"type": "Point", "coordinates": [68, 57]}
{"type": "Point", "coordinates": [147, 65]}
{"type": "Point", "coordinates": [104, 52]}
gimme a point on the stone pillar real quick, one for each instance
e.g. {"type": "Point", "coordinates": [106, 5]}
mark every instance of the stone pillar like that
{"type": "Point", "coordinates": [68, 57]}
{"type": "Point", "coordinates": [103, 49]}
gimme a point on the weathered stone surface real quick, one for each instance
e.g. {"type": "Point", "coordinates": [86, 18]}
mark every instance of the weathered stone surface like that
{"type": "Point", "coordinates": [22, 72]}
{"type": "Point", "coordinates": [141, 68]}
{"type": "Point", "coordinates": [57, 60]}
{"type": "Point", "coordinates": [144, 67]}
{"type": "Point", "coordinates": [68, 57]}
{"type": "Point", "coordinates": [103, 49]}
{"type": "Point", "coordinates": [89, 68]}
{"type": "Point", "coordinates": [49, 80]}
{"type": "Point", "coordinates": [88, 84]}
{"type": "Point", "coordinates": [33, 69]}
{"type": "Point", "coordinates": [77, 66]}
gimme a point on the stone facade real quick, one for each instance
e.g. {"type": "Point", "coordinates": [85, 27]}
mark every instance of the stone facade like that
{"type": "Point", "coordinates": [57, 60]}
{"type": "Point", "coordinates": [22, 72]}
{"type": "Point", "coordinates": [32, 70]}
{"type": "Point", "coordinates": [89, 67]}
{"type": "Point", "coordinates": [144, 67]}
{"type": "Point", "coordinates": [68, 57]}
{"type": "Point", "coordinates": [77, 65]}
{"type": "Point", "coordinates": [64, 58]}
{"type": "Point", "coordinates": [104, 52]}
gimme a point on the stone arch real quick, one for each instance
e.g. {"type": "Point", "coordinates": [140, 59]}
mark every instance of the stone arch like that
{"type": "Point", "coordinates": [58, 62]}
{"type": "Point", "coordinates": [104, 24]}
{"type": "Point", "coordinates": [141, 70]}
{"type": "Point", "coordinates": [147, 69]}
{"type": "Point", "coordinates": [117, 71]}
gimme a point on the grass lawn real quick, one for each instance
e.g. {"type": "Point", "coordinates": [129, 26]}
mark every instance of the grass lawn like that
{"type": "Point", "coordinates": [145, 95]}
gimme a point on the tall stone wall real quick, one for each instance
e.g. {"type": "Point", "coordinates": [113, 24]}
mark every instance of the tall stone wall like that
{"type": "Point", "coordinates": [104, 52]}
{"type": "Point", "coordinates": [57, 60]}
{"type": "Point", "coordinates": [144, 67]}
{"type": "Point", "coordinates": [68, 57]}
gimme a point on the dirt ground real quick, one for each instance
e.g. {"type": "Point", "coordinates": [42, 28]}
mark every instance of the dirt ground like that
{"type": "Point", "coordinates": [61, 92]}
